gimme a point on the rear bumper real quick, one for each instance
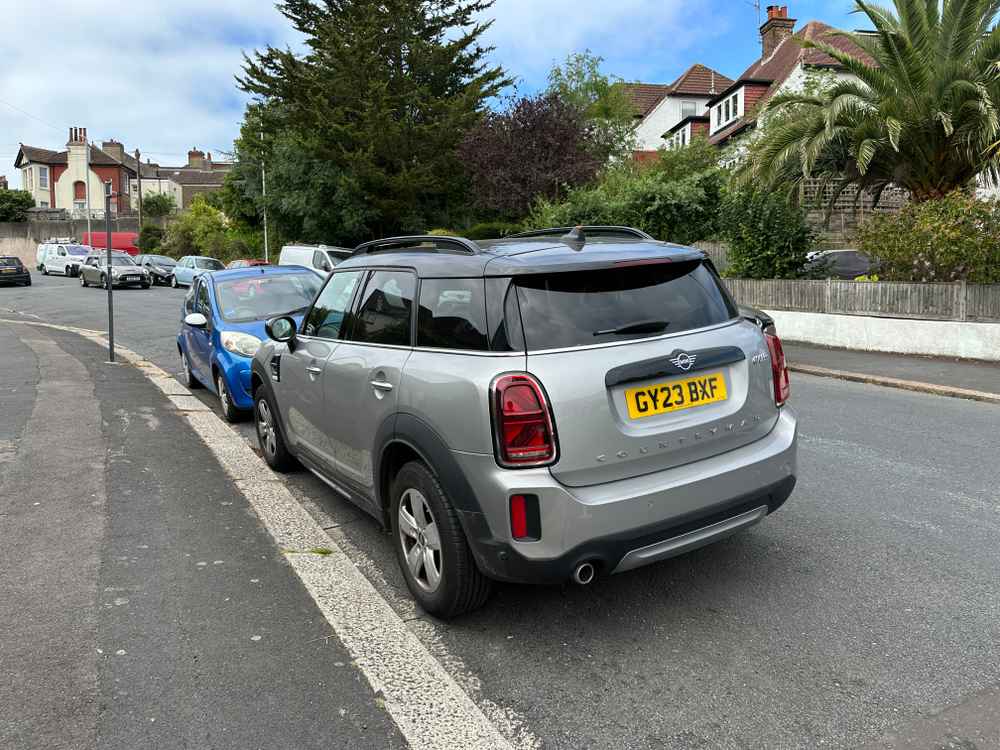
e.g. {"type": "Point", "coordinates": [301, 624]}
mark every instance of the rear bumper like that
{"type": "Point", "coordinates": [625, 524]}
{"type": "Point", "coordinates": [15, 278]}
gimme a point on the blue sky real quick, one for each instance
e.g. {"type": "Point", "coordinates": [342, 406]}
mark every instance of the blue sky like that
{"type": "Point", "coordinates": [158, 75]}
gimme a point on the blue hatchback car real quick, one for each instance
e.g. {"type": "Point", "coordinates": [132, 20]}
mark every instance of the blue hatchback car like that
{"type": "Point", "coordinates": [222, 325]}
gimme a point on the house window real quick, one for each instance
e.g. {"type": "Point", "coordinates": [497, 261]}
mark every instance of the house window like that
{"type": "Point", "coordinates": [43, 204]}
{"type": "Point", "coordinates": [689, 109]}
{"type": "Point", "coordinates": [43, 177]}
{"type": "Point", "coordinates": [29, 182]}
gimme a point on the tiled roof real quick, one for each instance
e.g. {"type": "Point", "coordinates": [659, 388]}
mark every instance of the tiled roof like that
{"type": "Point", "coordinates": [775, 69]}
{"type": "Point", "coordinates": [699, 80]}
{"type": "Point", "coordinates": [44, 156]}
{"type": "Point", "coordinates": [645, 96]}
{"type": "Point", "coordinates": [183, 176]}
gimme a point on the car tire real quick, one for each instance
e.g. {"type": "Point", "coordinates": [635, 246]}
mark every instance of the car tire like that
{"type": "Point", "coordinates": [187, 376]}
{"type": "Point", "coordinates": [229, 409]}
{"type": "Point", "coordinates": [145, 286]}
{"type": "Point", "coordinates": [445, 580]}
{"type": "Point", "coordinates": [83, 280]}
{"type": "Point", "coordinates": [173, 282]}
{"type": "Point", "coordinates": [28, 282]}
{"type": "Point", "coordinates": [45, 271]}
{"type": "Point", "coordinates": [269, 437]}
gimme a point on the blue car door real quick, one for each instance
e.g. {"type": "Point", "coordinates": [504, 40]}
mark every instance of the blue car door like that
{"type": "Point", "coordinates": [182, 272]}
{"type": "Point", "coordinates": [200, 339]}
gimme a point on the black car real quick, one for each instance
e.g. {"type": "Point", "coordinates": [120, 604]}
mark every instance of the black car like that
{"type": "Point", "coordinates": [13, 271]}
{"type": "Point", "coordinates": [160, 267]}
{"type": "Point", "coordinates": [840, 264]}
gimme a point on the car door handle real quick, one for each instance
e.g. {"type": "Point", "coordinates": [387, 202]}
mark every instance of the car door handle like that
{"type": "Point", "coordinates": [314, 370]}
{"type": "Point", "coordinates": [381, 385]}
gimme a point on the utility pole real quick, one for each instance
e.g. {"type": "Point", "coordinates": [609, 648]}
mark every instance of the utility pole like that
{"type": "Point", "coordinates": [263, 190]}
{"type": "Point", "coordinates": [138, 174]}
{"type": "Point", "coordinates": [108, 196]}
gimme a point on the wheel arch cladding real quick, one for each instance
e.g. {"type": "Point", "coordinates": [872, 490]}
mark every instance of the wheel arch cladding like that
{"type": "Point", "coordinates": [413, 439]}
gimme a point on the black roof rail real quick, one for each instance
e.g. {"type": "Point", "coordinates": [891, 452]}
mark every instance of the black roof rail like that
{"type": "Point", "coordinates": [595, 231]}
{"type": "Point", "coordinates": [417, 242]}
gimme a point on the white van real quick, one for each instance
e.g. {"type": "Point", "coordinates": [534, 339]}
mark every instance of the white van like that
{"type": "Point", "coordinates": [320, 258]}
{"type": "Point", "coordinates": [63, 257]}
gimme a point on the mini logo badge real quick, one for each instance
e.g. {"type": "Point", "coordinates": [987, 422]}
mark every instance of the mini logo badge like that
{"type": "Point", "coordinates": [684, 361]}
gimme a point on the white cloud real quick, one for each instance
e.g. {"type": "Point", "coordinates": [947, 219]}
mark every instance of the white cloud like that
{"type": "Point", "coordinates": [158, 75]}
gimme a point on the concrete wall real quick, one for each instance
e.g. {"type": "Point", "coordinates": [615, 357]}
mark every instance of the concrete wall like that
{"type": "Point", "coordinates": [22, 238]}
{"type": "Point", "coordinates": [937, 338]}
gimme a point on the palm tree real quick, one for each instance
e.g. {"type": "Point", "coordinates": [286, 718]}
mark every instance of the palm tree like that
{"type": "Point", "coordinates": [922, 113]}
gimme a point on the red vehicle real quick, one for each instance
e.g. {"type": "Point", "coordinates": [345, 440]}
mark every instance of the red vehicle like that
{"type": "Point", "coordinates": [124, 241]}
{"type": "Point", "coordinates": [246, 263]}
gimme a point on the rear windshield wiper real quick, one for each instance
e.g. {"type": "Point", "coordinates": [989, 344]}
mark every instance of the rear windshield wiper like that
{"type": "Point", "coordinates": [642, 326]}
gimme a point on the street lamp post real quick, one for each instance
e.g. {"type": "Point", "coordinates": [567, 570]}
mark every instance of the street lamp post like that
{"type": "Point", "coordinates": [109, 195]}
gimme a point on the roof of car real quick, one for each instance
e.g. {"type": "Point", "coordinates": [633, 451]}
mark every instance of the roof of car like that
{"type": "Point", "coordinates": [523, 255]}
{"type": "Point", "coordinates": [231, 274]}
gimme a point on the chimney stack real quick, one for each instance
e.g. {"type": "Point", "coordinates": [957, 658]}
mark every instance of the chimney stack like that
{"type": "Point", "coordinates": [776, 29]}
{"type": "Point", "coordinates": [196, 159]}
{"type": "Point", "coordinates": [114, 149]}
{"type": "Point", "coordinates": [77, 135]}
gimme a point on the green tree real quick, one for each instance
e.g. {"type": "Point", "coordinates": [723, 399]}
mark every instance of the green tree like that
{"type": "Point", "coordinates": [201, 230]}
{"type": "Point", "coordinates": [150, 237]}
{"type": "Point", "coordinates": [601, 99]}
{"type": "Point", "coordinates": [360, 131]}
{"type": "Point", "coordinates": [921, 110]}
{"type": "Point", "coordinates": [768, 236]}
{"type": "Point", "coordinates": [158, 205]}
{"type": "Point", "coordinates": [14, 205]}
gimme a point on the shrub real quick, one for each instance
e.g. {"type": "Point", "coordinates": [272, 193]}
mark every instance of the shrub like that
{"type": "Point", "coordinates": [158, 205]}
{"type": "Point", "coordinates": [150, 237]}
{"type": "Point", "coordinates": [14, 204]}
{"type": "Point", "coordinates": [953, 238]}
{"type": "Point", "coordinates": [491, 230]}
{"type": "Point", "coordinates": [444, 233]}
{"type": "Point", "coordinates": [768, 237]}
{"type": "Point", "coordinates": [681, 210]}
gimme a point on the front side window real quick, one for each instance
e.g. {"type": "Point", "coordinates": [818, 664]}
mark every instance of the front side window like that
{"type": "Point", "coordinates": [203, 305]}
{"type": "Point", "coordinates": [384, 314]}
{"type": "Point", "coordinates": [329, 312]}
{"type": "Point", "coordinates": [43, 177]}
{"type": "Point", "coordinates": [452, 314]}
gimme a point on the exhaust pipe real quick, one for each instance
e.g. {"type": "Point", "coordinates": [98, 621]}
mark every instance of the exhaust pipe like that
{"type": "Point", "coordinates": [583, 574]}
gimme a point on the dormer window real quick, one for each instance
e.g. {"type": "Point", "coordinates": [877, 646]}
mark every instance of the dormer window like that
{"type": "Point", "coordinates": [728, 111]}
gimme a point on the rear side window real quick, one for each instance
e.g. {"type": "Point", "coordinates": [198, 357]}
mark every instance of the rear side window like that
{"type": "Point", "coordinates": [584, 308]}
{"type": "Point", "coordinates": [385, 312]}
{"type": "Point", "coordinates": [452, 314]}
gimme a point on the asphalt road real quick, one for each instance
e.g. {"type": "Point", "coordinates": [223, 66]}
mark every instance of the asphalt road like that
{"type": "Point", "coordinates": [867, 607]}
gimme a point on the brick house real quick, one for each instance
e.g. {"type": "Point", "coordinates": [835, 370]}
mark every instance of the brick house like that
{"type": "Point", "coordinates": [59, 179]}
{"type": "Point", "coordinates": [678, 109]}
{"type": "Point", "coordinates": [200, 175]}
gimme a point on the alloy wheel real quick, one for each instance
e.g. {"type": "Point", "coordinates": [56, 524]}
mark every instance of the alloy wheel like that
{"type": "Point", "coordinates": [265, 429]}
{"type": "Point", "coordinates": [421, 541]}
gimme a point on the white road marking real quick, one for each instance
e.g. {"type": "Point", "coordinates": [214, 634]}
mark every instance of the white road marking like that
{"type": "Point", "coordinates": [427, 704]}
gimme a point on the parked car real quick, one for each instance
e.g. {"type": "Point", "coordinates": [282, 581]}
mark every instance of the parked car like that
{"type": "Point", "coordinates": [538, 409]}
{"type": "Point", "coordinates": [839, 264]}
{"type": "Point", "coordinates": [222, 324]}
{"type": "Point", "coordinates": [61, 257]}
{"type": "Point", "coordinates": [190, 267]}
{"type": "Point", "coordinates": [13, 271]}
{"type": "Point", "coordinates": [320, 258]}
{"type": "Point", "coordinates": [246, 263]}
{"type": "Point", "coordinates": [160, 267]}
{"type": "Point", "coordinates": [123, 271]}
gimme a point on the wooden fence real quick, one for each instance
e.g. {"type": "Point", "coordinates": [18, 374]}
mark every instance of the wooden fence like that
{"type": "Point", "coordinates": [885, 299]}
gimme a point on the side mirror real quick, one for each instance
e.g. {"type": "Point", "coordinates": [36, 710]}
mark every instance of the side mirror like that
{"type": "Point", "coordinates": [195, 320]}
{"type": "Point", "coordinates": [281, 329]}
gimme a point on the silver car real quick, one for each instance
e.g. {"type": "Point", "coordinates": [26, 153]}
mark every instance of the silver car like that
{"type": "Point", "coordinates": [123, 271]}
{"type": "Point", "coordinates": [543, 408]}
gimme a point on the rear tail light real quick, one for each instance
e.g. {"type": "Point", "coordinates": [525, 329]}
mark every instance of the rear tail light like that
{"type": "Point", "coordinates": [779, 369]}
{"type": "Point", "coordinates": [524, 433]}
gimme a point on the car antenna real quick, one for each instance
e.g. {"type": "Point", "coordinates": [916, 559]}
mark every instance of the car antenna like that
{"type": "Point", "coordinates": [575, 238]}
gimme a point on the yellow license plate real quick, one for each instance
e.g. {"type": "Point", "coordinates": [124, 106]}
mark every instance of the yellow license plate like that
{"type": "Point", "coordinates": [7, 270]}
{"type": "Point", "coordinates": [661, 398]}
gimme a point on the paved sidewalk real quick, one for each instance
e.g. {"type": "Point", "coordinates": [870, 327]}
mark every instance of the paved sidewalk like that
{"type": "Point", "coordinates": [143, 603]}
{"type": "Point", "coordinates": [951, 373]}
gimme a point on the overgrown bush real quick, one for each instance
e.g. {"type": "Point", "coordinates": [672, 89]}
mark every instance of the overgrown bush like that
{"type": "Point", "coordinates": [14, 205]}
{"type": "Point", "coordinates": [201, 230]}
{"type": "Point", "coordinates": [491, 230]}
{"type": "Point", "coordinates": [953, 238]}
{"type": "Point", "coordinates": [150, 237]}
{"type": "Point", "coordinates": [682, 210]}
{"type": "Point", "coordinates": [158, 205]}
{"type": "Point", "coordinates": [768, 237]}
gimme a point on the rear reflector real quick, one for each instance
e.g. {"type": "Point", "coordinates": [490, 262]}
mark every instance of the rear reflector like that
{"type": "Point", "coordinates": [779, 369]}
{"type": "Point", "coordinates": [525, 519]}
{"type": "Point", "coordinates": [524, 433]}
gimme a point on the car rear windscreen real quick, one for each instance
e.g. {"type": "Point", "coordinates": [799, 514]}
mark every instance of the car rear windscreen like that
{"type": "Point", "coordinates": [583, 308]}
{"type": "Point", "coordinates": [9, 260]}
